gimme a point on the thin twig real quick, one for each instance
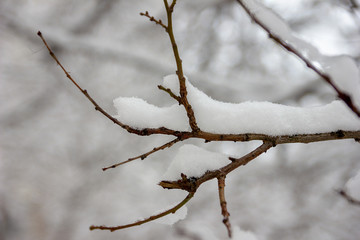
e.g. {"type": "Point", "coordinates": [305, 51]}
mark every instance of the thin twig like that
{"type": "Point", "coordinates": [223, 204]}
{"type": "Point", "coordinates": [145, 155]}
{"type": "Point", "coordinates": [152, 19]}
{"type": "Point", "coordinates": [173, 95]}
{"type": "Point", "coordinates": [141, 132]}
{"type": "Point", "coordinates": [179, 71]}
{"type": "Point", "coordinates": [342, 95]}
{"type": "Point", "coordinates": [152, 218]}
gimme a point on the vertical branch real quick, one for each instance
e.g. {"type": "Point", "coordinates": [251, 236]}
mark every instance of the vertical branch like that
{"type": "Point", "coordinates": [179, 71]}
{"type": "Point", "coordinates": [223, 204]}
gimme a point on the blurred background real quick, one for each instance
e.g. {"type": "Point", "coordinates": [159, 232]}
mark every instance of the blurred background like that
{"type": "Point", "coordinates": [53, 143]}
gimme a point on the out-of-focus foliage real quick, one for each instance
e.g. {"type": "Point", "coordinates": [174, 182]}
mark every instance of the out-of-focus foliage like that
{"type": "Point", "coordinates": [53, 143]}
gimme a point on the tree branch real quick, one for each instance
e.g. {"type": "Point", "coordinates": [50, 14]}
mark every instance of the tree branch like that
{"type": "Point", "coordinates": [191, 184]}
{"type": "Point", "coordinates": [179, 71]}
{"type": "Point", "coordinates": [151, 218]}
{"type": "Point", "coordinates": [141, 132]}
{"type": "Point", "coordinates": [342, 95]}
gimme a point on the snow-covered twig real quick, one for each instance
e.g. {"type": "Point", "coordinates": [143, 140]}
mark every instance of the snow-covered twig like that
{"type": "Point", "coordinates": [289, 47]}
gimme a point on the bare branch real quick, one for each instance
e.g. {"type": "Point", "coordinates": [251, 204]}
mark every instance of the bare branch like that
{"type": "Point", "coordinates": [145, 155]}
{"type": "Point", "coordinates": [179, 71]}
{"type": "Point", "coordinates": [152, 19]}
{"type": "Point", "coordinates": [141, 132]}
{"type": "Point", "coordinates": [224, 211]}
{"type": "Point", "coordinates": [151, 218]}
{"type": "Point", "coordinates": [342, 95]}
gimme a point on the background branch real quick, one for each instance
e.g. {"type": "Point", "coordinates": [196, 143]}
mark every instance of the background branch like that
{"type": "Point", "coordinates": [342, 95]}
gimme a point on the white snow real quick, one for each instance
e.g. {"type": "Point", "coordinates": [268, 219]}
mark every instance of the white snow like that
{"type": "Point", "coordinates": [246, 117]}
{"type": "Point", "coordinates": [342, 69]}
{"type": "Point", "coordinates": [353, 186]}
{"type": "Point", "coordinates": [194, 161]}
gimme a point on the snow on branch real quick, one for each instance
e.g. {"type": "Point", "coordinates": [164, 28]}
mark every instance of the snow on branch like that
{"type": "Point", "coordinates": [246, 117]}
{"type": "Point", "coordinates": [340, 72]}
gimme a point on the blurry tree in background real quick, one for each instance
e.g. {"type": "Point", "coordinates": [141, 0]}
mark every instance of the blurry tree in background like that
{"type": "Point", "coordinates": [52, 143]}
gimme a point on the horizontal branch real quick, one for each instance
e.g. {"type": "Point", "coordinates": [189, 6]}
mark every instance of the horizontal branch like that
{"type": "Point", "coordinates": [342, 95]}
{"type": "Point", "coordinates": [297, 138]}
{"type": "Point", "coordinates": [152, 218]}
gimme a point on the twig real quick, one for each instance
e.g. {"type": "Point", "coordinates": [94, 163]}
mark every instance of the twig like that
{"type": "Point", "coordinates": [173, 95]}
{"type": "Point", "coordinates": [152, 218]}
{"type": "Point", "coordinates": [342, 95]}
{"type": "Point", "coordinates": [179, 71]}
{"type": "Point", "coordinates": [224, 211]}
{"type": "Point", "coordinates": [145, 155]}
{"type": "Point", "coordinates": [152, 19]}
{"type": "Point", "coordinates": [141, 132]}
{"type": "Point", "coordinates": [349, 198]}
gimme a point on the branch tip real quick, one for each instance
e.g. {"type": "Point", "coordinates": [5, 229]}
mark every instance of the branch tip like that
{"type": "Point", "coordinates": [149, 219]}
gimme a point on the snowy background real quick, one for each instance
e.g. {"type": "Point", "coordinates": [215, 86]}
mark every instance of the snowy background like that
{"type": "Point", "coordinates": [53, 144]}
